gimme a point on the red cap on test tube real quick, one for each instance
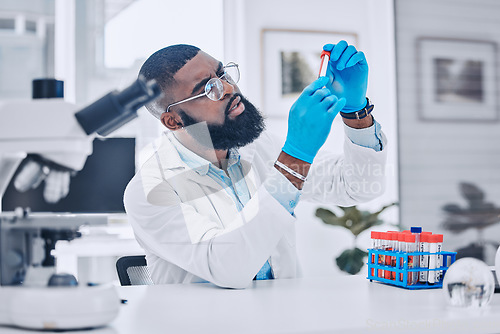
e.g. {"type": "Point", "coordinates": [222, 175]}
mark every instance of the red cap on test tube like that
{"type": "Point", "coordinates": [433, 238]}
{"type": "Point", "coordinates": [410, 238]}
{"type": "Point", "coordinates": [401, 237]}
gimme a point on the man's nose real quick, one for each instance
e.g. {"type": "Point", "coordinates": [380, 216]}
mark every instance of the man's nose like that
{"type": "Point", "coordinates": [228, 88]}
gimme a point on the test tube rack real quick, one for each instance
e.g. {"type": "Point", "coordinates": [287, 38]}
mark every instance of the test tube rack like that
{"type": "Point", "coordinates": [447, 259]}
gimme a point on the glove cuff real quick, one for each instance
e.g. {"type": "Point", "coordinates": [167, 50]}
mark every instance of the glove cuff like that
{"type": "Point", "coordinates": [350, 107]}
{"type": "Point", "coordinates": [296, 153]}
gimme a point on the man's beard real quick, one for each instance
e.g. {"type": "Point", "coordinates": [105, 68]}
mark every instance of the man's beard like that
{"type": "Point", "coordinates": [242, 130]}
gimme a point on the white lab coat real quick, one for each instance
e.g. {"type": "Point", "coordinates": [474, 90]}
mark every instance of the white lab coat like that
{"type": "Point", "coordinates": [191, 230]}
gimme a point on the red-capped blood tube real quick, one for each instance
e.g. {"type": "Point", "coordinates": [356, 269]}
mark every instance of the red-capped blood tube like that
{"type": "Point", "coordinates": [424, 259]}
{"type": "Point", "coordinates": [402, 248]}
{"type": "Point", "coordinates": [325, 58]}
{"type": "Point", "coordinates": [433, 240]}
{"type": "Point", "coordinates": [375, 245]}
{"type": "Point", "coordinates": [439, 244]}
{"type": "Point", "coordinates": [394, 258]}
{"type": "Point", "coordinates": [383, 258]}
{"type": "Point", "coordinates": [410, 248]}
{"type": "Point", "coordinates": [388, 258]}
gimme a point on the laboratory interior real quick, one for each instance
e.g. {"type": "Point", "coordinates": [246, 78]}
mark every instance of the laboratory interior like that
{"type": "Point", "coordinates": [421, 256]}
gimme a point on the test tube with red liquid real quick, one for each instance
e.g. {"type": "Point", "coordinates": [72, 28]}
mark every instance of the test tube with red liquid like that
{"type": "Point", "coordinates": [325, 58]}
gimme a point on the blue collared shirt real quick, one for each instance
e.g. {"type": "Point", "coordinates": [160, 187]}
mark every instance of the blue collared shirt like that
{"type": "Point", "coordinates": [233, 182]}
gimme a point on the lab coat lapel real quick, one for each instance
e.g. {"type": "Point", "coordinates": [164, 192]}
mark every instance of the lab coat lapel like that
{"type": "Point", "coordinates": [205, 180]}
{"type": "Point", "coordinates": [171, 161]}
{"type": "Point", "coordinates": [173, 166]}
{"type": "Point", "coordinates": [176, 172]}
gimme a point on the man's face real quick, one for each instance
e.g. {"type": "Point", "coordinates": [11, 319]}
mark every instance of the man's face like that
{"type": "Point", "coordinates": [232, 121]}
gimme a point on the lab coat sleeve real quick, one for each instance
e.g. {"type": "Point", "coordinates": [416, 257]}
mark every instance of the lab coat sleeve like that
{"type": "Point", "coordinates": [228, 256]}
{"type": "Point", "coordinates": [367, 137]}
{"type": "Point", "coordinates": [357, 176]}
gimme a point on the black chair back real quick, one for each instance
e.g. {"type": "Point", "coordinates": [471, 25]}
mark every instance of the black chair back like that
{"type": "Point", "coordinates": [133, 270]}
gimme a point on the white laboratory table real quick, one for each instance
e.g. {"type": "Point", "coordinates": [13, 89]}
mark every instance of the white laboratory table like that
{"type": "Point", "coordinates": [308, 305]}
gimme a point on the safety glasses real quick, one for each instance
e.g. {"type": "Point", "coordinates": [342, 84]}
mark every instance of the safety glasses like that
{"type": "Point", "coordinates": [214, 89]}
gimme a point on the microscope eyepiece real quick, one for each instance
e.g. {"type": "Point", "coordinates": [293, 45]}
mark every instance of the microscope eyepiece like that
{"type": "Point", "coordinates": [117, 108]}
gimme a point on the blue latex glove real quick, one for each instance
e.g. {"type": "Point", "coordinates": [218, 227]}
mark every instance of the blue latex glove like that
{"type": "Point", "coordinates": [310, 120]}
{"type": "Point", "coordinates": [349, 71]}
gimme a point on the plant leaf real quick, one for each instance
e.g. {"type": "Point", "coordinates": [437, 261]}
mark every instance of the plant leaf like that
{"type": "Point", "coordinates": [353, 219]}
{"type": "Point", "coordinates": [330, 218]}
{"type": "Point", "coordinates": [324, 213]}
{"type": "Point", "coordinates": [351, 260]}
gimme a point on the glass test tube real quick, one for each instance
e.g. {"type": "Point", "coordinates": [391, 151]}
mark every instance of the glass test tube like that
{"type": "Point", "coordinates": [439, 248]}
{"type": "Point", "coordinates": [394, 258]}
{"type": "Point", "coordinates": [416, 231]}
{"type": "Point", "coordinates": [433, 259]}
{"type": "Point", "coordinates": [325, 58]}
{"type": "Point", "coordinates": [388, 258]}
{"type": "Point", "coordinates": [381, 257]}
{"type": "Point", "coordinates": [402, 248]}
{"type": "Point", "coordinates": [424, 259]}
{"type": "Point", "coordinates": [410, 248]}
{"type": "Point", "coordinates": [375, 245]}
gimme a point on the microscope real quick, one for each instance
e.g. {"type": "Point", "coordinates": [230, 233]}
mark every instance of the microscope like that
{"type": "Point", "coordinates": [32, 295]}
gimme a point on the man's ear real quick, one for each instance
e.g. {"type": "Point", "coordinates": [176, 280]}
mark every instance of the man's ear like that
{"type": "Point", "coordinates": [171, 120]}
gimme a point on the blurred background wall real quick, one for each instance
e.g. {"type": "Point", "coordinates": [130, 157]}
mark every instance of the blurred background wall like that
{"type": "Point", "coordinates": [433, 79]}
{"type": "Point", "coordinates": [447, 70]}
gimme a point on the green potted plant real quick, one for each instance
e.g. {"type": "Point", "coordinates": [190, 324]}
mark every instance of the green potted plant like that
{"type": "Point", "coordinates": [356, 221]}
{"type": "Point", "coordinates": [478, 214]}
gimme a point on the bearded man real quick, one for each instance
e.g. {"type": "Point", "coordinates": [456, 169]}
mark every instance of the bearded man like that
{"type": "Point", "coordinates": [214, 198]}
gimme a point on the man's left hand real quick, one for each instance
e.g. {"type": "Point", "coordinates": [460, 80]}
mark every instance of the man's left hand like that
{"type": "Point", "coordinates": [349, 70]}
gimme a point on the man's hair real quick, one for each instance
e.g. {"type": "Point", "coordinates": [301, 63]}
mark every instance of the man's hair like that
{"type": "Point", "coordinates": [162, 66]}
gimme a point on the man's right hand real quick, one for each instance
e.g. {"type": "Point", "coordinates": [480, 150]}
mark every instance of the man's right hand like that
{"type": "Point", "coordinates": [310, 120]}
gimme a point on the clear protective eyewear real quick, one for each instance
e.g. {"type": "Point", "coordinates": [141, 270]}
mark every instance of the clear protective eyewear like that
{"type": "Point", "coordinates": [214, 89]}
